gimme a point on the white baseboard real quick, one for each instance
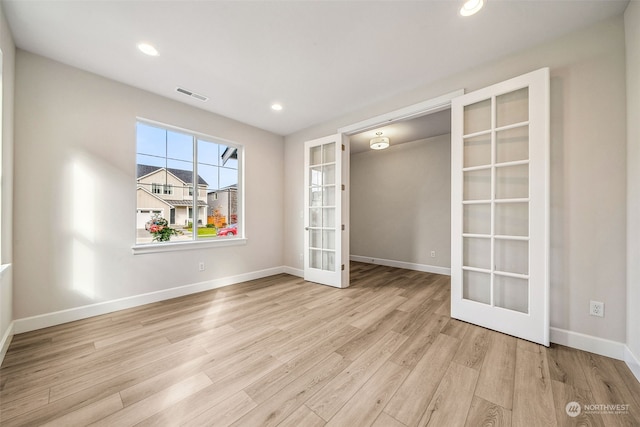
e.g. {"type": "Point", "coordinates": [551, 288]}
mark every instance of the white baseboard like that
{"type": "Point", "coordinates": [601, 346]}
{"type": "Point", "coordinates": [632, 362]}
{"type": "Point", "coordinates": [401, 264]}
{"type": "Point", "coordinates": [293, 271]}
{"type": "Point", "coordinates": [6, 340]}
{"type": "Point", "coordinates": [56, 318]}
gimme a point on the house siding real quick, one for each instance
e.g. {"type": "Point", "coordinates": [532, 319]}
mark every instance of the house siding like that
{"type": "Point", "coordinates": [179, 190]}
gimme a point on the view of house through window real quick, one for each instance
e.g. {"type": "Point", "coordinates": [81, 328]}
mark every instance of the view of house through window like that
{"type": "Point", "coordinates": [187, 186]}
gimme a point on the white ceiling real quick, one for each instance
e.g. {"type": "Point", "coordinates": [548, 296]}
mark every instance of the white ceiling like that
{"type": "Point", "coordinates": [320, 59]}
{"type": "Point", "coordinates": [433, 124]}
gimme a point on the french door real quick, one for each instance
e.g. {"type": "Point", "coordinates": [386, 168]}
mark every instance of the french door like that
{"type": "Point", "coordinates": [500, 207]}
{"type": "Point", "coordinates": [326, 211]}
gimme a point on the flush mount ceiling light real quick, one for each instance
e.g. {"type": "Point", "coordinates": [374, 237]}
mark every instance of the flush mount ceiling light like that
{"type": "Point", "coordinates": [471, 7]}
{"type": "Point", "coordinates": [379, 142]}
{"type": "Point", "coordinates": [147, 49]}
{"type": "Point", "coordinates": [276, 107]}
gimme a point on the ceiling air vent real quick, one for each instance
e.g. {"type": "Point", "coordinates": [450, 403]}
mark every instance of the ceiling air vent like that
{"type": "Point", "coordinates": [192, 94]}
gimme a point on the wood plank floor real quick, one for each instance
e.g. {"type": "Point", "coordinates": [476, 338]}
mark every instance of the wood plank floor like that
{"type": "Point", "coordinates": [283, 352]}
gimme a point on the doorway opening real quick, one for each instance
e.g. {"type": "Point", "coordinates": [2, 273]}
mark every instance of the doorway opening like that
{"type": "Point", "coordinates": [400, 197]}
{"type": "Point", "coordinates": [412, 127]}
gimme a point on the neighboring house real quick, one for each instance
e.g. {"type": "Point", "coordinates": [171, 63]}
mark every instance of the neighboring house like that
{"type": "Point", "coordinates": [223, 202]}
{"type": "Point", "coordinates": [169, 193]}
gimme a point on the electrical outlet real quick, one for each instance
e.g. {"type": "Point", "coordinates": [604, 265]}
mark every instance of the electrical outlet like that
{"type": "Point", "coordinates": [201, 266]}
{"type": "Point", "coordinates": [596, 308]}
{"type": "Point", "coordinates": [433, 254]}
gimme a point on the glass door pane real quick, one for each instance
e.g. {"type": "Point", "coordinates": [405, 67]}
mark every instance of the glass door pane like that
{"type": "Point", "coordinates": [477, 117]}
{"type": "Point", "coordinates": [477, 151]}
{"type": "Point", "coordinates": [512, 107]}
{"type": "Point", "coordinates": [322, 180]}
{"type": "Point", "coordinates": [511, 293]}
{"type": "Point", "coordinates": [477, 184]}
{"type": "Point", "coordinates": [500, 207]}
{"type": "Point", "coordinates": [512, 145]}
{"type": "Point", "coordinates": [476, 286]}
{"type": "Point", "coordinates": [512, 182]}
{"type": "Point", "coordinates": [512, 219]}
{"type": "Point", "coordinates": [476, 252]}
{"type": "Point", "coordinates": [512, 256]}
{"type": "Point", "coordinates": [476, 218]}
{"type": "Point", "coordinates": [495, 191]}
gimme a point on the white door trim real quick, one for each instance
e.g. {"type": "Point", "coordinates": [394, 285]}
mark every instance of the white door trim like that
{"type": "Point", "coordinates": [533, 323]}
{"type": "Point", "coordinates": [429, 106]}
{"type": "Point", "coordinates": [319, 270]}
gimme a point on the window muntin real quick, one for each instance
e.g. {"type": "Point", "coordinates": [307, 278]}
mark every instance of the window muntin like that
{"type": "Point", "coordinates": [169, 162]}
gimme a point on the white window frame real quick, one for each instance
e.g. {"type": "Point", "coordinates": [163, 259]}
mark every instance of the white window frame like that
{"type": "Point", "coordinates": [237, 240]}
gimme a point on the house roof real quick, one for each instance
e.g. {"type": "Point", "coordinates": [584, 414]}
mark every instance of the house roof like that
{"type": "Point", "coordinates": [232, 187]}
{"type": "Point", "coordinates": [182, 175]}
{"type": "Point", "coordinates": [185, 202]}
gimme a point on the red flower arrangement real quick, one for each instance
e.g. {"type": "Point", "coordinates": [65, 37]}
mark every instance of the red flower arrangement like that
{"type": "Point", "coordinates": [159, 228]}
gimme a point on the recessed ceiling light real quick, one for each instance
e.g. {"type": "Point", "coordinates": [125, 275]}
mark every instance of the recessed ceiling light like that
{"type": "Point", "coordinates": [276, 107]}
{"type": "Point", "coordinates": [147, 49]}
{"type": "Point", "coordinates": [471, 7]}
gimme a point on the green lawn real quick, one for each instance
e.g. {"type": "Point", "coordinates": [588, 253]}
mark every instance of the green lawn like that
{"type": "Point", "coordinates": [204, 231]}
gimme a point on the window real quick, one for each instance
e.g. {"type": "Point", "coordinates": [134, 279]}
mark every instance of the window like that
{"type": "Point", "coordinates": [169, 158]}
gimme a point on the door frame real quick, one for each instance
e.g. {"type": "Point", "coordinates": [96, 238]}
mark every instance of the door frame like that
{"type": "Point", "coordinates": [429, 106]}
{"type": "Point", "coordinates": [534, 324]}
{"type": "Point", "coordinates": [423, 108]}
{"type": "Point", "coordinates": [432, 105]}
{"type": "Point", "coordinates": [339, 276]}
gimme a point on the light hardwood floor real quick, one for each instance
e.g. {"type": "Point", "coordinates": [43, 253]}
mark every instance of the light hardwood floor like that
{"type": "Point", "coordinates": [281, 351]}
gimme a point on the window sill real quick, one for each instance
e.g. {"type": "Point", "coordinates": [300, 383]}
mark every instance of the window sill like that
{"type": "Point", "coordinates": [186, 246]}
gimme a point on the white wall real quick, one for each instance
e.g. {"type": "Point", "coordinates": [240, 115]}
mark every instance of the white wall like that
{"type": "Point", "coordinates": [75, 201]}
{"type": "Point", "coordinates": [6, 219]}
{"type": "Point", "coordinates": [401, 202]}
{"type": "Point", "coordinates": [588, 169]}
{"type": "Point", "coordinates": [632, 29]}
